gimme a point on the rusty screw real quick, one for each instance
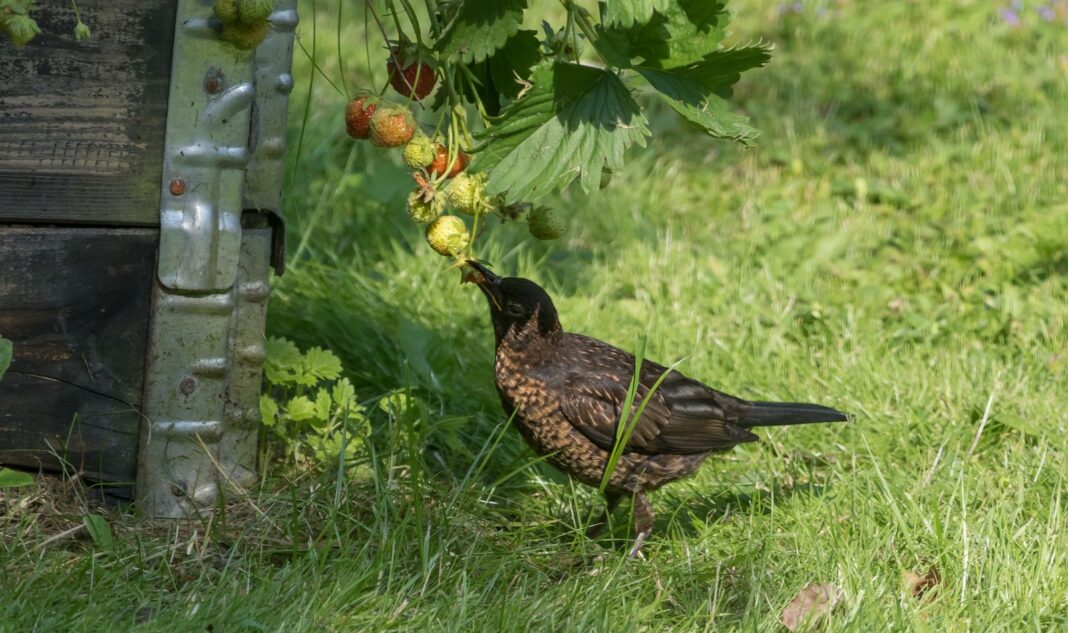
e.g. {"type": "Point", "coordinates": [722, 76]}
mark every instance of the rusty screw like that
{"type": "Point", "coordinates": [177, 186]}
{"type": "Point", "coordinates": [188, 385]}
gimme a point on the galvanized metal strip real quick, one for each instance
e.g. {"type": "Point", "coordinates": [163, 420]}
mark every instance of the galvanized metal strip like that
{"type": "Point", "coordinates": [273, 81]}
{"type": "Point", "coordinates": [209, 302]}
{"type": "Point", "coordinates": [238, 445]}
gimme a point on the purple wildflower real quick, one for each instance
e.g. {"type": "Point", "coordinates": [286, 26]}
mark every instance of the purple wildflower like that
{"type": "Point", "coordinates": [1047, 13]}
{"type": "Point", "coordinates": [1010, 17]}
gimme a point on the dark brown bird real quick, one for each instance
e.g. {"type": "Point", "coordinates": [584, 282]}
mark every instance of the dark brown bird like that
{"type": "Point", "coordinates": [566, 392]}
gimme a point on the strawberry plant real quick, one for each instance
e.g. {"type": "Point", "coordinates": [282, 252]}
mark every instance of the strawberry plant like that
{"type": "Point", "coordinates": [492, 116]}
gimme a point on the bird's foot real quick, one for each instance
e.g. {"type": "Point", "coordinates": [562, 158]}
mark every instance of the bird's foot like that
{"type": "Point", "coordinates": [635, 552]}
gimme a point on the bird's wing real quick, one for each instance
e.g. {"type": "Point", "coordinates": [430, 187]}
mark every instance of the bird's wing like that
{"type": "Point", "coordinates": [682, 416]}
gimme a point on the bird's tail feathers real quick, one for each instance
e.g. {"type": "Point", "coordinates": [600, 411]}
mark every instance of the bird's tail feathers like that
{"type": "Point", "coordinates": [786, 413]}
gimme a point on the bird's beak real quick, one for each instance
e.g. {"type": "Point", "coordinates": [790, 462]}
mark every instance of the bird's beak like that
{"type": "Point", "coordinates": [485, 279]}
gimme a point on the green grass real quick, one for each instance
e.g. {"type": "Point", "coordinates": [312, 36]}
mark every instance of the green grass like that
{"type": "Point", "coordinates": [896, 246]}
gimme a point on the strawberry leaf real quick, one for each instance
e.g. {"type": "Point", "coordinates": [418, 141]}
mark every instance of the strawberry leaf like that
{"type": "Point", "coordinates": [574, 121]}
{"type": "Point", "coordinates": [513, 62]}
{"type": "Point", "coordinates": [681, 34]}
{"type": "Point", "coordinates": [502, 74]}
{"type": "Point", "coordinates": [479, 28]}
{"type": "Point", "coordinates": [627, 12]}
{"type": "Point", "coordinates": [699, 91]}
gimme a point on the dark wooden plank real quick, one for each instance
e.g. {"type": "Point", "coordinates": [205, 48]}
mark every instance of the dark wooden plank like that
{"type": "Point", "coordinates": [82, 123]}
{"type": "Point", "coordinates": [55, 426]}
{"type": "Point", "coordinates": [75, 302]}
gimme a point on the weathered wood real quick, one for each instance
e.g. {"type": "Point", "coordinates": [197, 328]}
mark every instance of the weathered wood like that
{"type": "Point", "coordinates": [82, 123]}
{"type": "Point", "coordinates": [75, 302]}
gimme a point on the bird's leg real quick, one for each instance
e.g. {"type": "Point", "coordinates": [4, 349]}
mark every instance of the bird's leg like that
{"type": "Point", "coordinates": [612, 500]}
{"type": "Point", "coordinates": [643, 523]}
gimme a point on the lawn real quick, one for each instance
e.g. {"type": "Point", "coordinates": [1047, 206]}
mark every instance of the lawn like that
{"type": "Point", "coordinates": [896, 246]}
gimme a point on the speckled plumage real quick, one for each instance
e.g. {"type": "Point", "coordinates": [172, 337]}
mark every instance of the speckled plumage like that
{"type": "Point", "coordinates": [566, 391]}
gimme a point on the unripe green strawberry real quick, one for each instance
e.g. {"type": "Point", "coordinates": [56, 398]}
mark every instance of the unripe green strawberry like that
{"type": "Point", "coordinates": [254, 11]}
{"type": "Point", "coordinates": [545, 224]}
{"type": "Point", "coordinates": [447, 235]}
{"type": "Point", "coordinates": [392, 127]}
{"type": "Point", "coordinates": [244, 36]}
{"type": "Point", "coordinates": [226, 10]}
{"type": "Point", "coordinates": [21, 29]}
{"type": "Point", "coordinates": [467, 193]}
{"type": "Point", "coordinates": [419, 152]}
{"type": "Point", "coordinates": [422, 211]}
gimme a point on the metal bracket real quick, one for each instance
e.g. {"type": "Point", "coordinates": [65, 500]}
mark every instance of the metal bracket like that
{"type": "Point", "coordinates": [266, 172]}
{"type": "Point", "coordinates": [209, 302]}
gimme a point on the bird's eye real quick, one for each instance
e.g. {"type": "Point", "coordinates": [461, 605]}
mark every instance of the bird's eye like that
{"type": "Point", "coordinates": [514, 309]}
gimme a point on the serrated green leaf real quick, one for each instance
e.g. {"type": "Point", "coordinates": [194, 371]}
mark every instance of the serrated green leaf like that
{"type": "Point", "coordinates": [14, 478]}
{"type": "Point", "coordinates": [627, 12]}
{"type": "Point", "coordinates": [268, 410]}
{"type": "Point", "coordinates": [343, 394]}
{"type": "Point", "coordinates": [681, 34]}
{"type": "Point", "coordinates": [574, 121]}
{"type": "Point", "coordinates": [321, 363]}
{"type": "Point", "coordinates": [479, 28]}
{"type": "Point", "coordinates": [393, 403]}
{"type": "Point", "coordinates": [699, 91]}
{"type": "Point", "coordinates": [98, 529]}
{"type": "Point", "coordinates": [283, 364]}
{"type": "Point", "coordinates": [300, 408]}
{"type": "Point", "coordinates": [510, 66]}
{"type": "Point", "coordinates": [6, 352]}
{"type": "Point", "coordinates": [502, 74]}
{"type": "Point", "coordinates": [322, 405]}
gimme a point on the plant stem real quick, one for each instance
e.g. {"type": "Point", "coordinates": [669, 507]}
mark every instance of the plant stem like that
{"type": "Point", "coordinates": [435, 17]}
{"type": "Point", "coordinates": [470, 79]}
{"type": "Point", "coordinates": [340, 57]}
{"type": "Point", "coordinates": [414, 20]}
{"type": "Point", "coordinates": [385, 38]}
{"type": "Point", "coordinates": [583, 21]}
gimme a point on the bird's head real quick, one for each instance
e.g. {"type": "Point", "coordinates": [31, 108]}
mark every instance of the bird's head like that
{"type": "Point", "coordinates": [522, 312]}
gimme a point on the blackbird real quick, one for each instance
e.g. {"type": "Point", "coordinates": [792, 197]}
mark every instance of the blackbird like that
{"type": "Point", "coordinates": [566, 391]}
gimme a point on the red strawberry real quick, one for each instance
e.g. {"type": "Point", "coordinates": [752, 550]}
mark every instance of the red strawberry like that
{"type": "Point", "coordinates": [358, 117]}
{"type": "Point", "coordinates": [441, 161]}
{"type": "Point", "coordinates": [413, 79]}
{"type": "Point", "coordinates": [392, 127]}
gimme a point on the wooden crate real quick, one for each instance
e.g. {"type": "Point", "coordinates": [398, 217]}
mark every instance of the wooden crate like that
{"type": "Point", "coordinates": [137, 328]}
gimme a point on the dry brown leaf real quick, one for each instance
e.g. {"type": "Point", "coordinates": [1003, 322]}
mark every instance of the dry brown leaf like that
{"type": "Point", "coordinates": [920, 584]}
{"type": "Point", "coordinates": [811, 605]}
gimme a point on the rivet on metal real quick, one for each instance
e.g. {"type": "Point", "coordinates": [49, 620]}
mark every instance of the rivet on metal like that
{"type": "Point", "coordinates": [177, 186]}
{"type": "Point", "coordinates": [188, 385]}
{"type": "Point", "coordinates": [214, 81]}
{"type": "Point", "coordinates": [284, 83]}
